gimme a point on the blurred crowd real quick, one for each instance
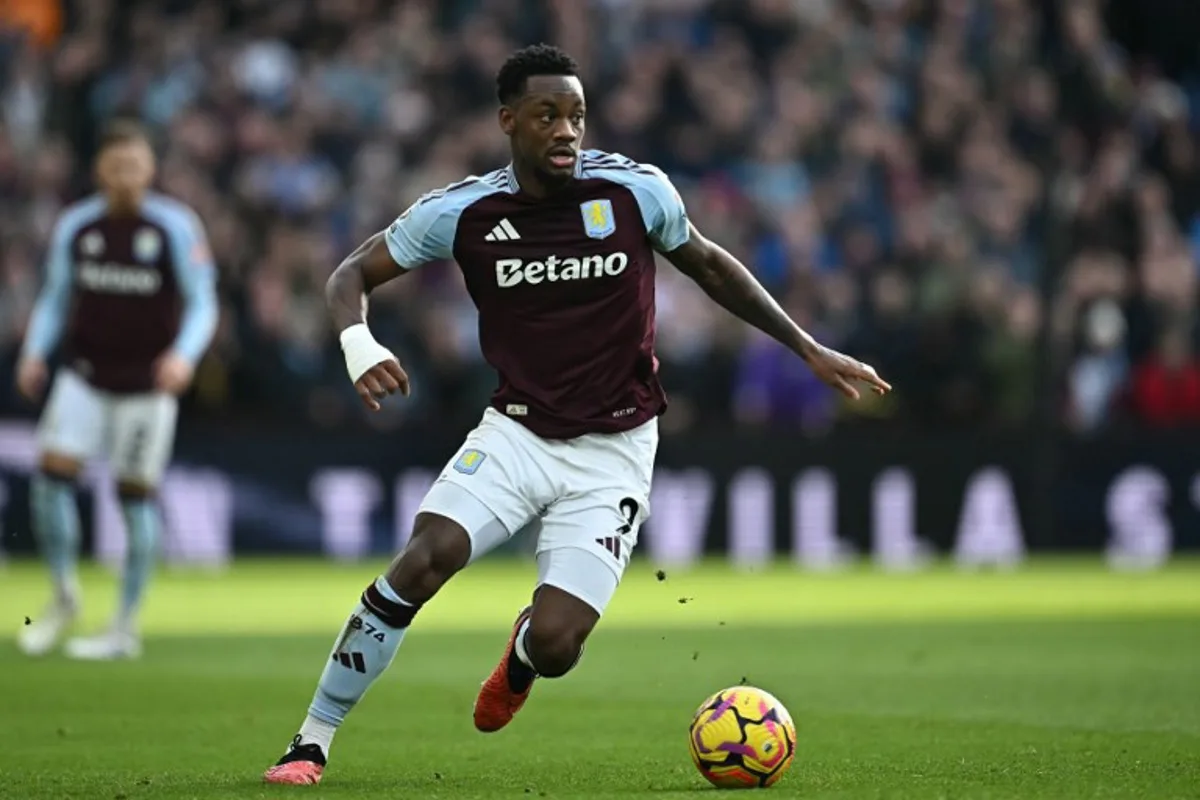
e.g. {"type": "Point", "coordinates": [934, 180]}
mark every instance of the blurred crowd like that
{"type": "Point", "coordinates": [996, 202]}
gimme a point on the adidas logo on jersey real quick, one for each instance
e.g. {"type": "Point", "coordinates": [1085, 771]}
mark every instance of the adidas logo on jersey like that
{"type": "Point", "coordinates": [513, 271]}
{"type": "Point", "coordinates": [503, 232]}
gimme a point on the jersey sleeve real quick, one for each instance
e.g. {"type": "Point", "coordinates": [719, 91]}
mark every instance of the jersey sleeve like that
{"type": "Point", "coordinates": [50, 312]}
{"type": "Point", "coordinates": [196, 277]}
{"type": "Point", "coordinates": [425, 231]}
{"type": "Point", "coordinates": [662, 209]}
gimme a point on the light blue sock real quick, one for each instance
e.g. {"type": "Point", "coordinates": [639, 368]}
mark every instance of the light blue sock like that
{"type": "Point", "coordinates": [365, 648]}
{"type": "Point", "coordinates": [143, 527]}
{"type": "Point", "coordinates": [56, 524]}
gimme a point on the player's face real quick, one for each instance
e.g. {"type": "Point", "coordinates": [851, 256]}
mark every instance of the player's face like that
{"type": "Point", "coordinates": [125, 170]}
{"type": "Point", "coordinates": [547, 125]}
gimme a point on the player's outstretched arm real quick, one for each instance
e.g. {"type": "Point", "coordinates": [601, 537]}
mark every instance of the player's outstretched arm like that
{"type": "Point", "coordinates": [375, 371]}
{"type": "Point", "coordinates": [727, 281]}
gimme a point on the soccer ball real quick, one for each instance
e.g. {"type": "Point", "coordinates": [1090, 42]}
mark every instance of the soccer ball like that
{"type": "Point", "coordinates": [742, 738]}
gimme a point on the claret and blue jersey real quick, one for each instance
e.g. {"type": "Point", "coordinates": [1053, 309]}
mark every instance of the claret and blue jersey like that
{"type": "Point", "coordinates": [121, 289]}
{"type": "Point", "coordinates": [564, 286]}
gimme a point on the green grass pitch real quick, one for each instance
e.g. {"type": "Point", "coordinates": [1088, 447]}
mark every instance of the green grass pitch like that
{"type": "Point", "coordinates": [1061, 680]}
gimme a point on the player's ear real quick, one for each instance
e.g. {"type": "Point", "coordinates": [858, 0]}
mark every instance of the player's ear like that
{"type": "Point", "coordinates": [508, 120]}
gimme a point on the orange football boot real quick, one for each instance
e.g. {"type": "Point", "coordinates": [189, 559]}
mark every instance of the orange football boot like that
{"type": "Point", "coordinates": [497, 703]}
{"type": "Point", "coordinates": [302, 765]}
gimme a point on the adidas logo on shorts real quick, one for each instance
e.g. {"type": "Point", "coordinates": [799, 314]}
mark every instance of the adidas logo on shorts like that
{"type": "Point", "coordinates": [612, 544]}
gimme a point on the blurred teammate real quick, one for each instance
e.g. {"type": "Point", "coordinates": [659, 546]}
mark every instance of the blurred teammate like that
{"type": "Point", "coordinates": [558, 253]}
{"type": "Point", "coordinates": [129, 293]}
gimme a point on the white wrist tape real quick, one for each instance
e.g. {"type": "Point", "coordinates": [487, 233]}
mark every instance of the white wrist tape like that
{"type": "Point", "coordinates": [362, 351]}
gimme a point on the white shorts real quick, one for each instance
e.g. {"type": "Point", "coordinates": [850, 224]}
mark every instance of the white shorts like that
{"type": "Point", "coordinates": [136, 432]}
{"type": "Point", "coordinates": [588, 495]}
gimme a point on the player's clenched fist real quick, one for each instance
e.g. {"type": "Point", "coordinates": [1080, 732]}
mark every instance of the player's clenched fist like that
{"type": "Point", "coordinates": [31, 378]}
{"type": "Point", "coordinates": [379, 381]}
{"type": "Point", "coordinates": [375, 370]}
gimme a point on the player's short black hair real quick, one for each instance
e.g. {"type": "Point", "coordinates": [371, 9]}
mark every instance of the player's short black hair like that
{"type": "Point", "coordinates": [122, 131]}
{"type": "Point", "coordinates": [536, 59]}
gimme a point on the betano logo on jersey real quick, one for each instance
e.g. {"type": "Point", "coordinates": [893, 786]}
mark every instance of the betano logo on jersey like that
{"type": "Point", "coordinates": [513, 271]}
{"type": "Point", "coordinates": [114, 278]}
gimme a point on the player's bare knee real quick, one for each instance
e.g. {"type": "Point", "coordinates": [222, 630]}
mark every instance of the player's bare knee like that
{"type": "Point", "coordinates": [558, 626]}
{"type": "Point", "coordinates": [555, 643]}
{"type": "Point", "coordinates": [439, 548]}
{"type": "Point", "coordinates": [135, 490]}
{"type": "Point", "coordinates": [59, 467]}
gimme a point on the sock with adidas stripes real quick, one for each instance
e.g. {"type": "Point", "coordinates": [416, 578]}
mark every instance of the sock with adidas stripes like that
{"type": "Point", "coordinates": [56, 524]}
{"type": "Point", "coordinates": [364, 649]}
{"type": "Point", "coordinates": [143, 530]}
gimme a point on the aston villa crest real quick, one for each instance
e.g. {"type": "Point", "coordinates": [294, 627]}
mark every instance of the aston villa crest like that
{"type": "Point", "coordinates": [598, 219]}
{"type": "Point", "coordinates": [92, 244]}
{"type": "Point", "coordinates": [147, 245]}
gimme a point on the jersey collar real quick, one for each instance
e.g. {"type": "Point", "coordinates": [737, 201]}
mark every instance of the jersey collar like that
{"type": "Point", "coordinates": [514, 185]}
